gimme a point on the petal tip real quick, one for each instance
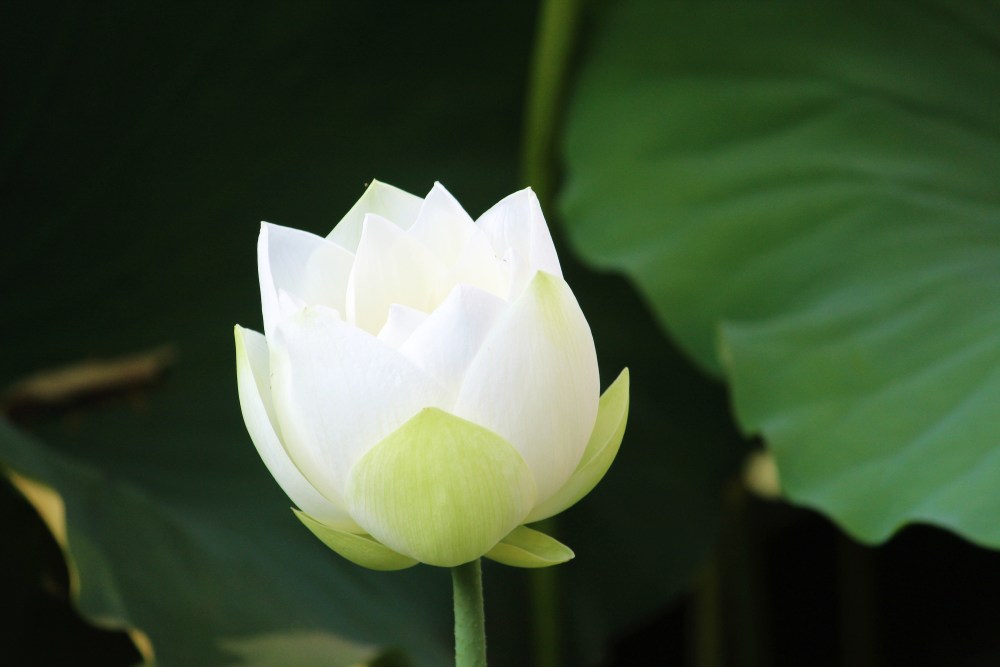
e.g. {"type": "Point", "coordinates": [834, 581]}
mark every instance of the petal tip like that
{"type": "Point", "coordinates": [529, 548]}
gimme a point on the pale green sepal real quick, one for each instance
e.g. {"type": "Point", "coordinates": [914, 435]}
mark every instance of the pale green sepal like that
{"type": "Point", "coordinates": [440, 489]}
{"type": "Point", "coordinates": [361, 550]}
{"type": "Point", "coordinates": [606, 438]}
{"type": "Point", "coordinates": [525, 547]}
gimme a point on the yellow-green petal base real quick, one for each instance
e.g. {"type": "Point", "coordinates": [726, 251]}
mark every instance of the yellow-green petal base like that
{"type": "Point", "coordinates": [440, 489]}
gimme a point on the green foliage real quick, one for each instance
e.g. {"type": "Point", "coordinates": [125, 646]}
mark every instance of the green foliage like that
{"type": "Point", "coordinates": [204, 589]}
{"type": "Point", "coordinates": [807, 197]}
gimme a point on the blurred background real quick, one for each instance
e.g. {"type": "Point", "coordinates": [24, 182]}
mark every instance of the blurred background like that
{"type": "Point", "coordinates": [783, 219]}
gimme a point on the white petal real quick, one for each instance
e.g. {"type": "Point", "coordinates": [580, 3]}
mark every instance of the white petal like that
{"type": "Point", "coordinates": [479, 266]}
{"type": "Point", "coordinates": [602, 448]}
{"type": "Point", "coordinates": [517, 222]}
{"type": "Point", "coordinates": [442, 225]}
{"type": "Point", "coordinates": [390, 267]}
{"type": "Point", "coordinates": [518, 273]}
{"type": "Point", "coordinates": [382, 199]}
{"type": "Point", "coordinates": [535, 381]}
{"type": "Point", "coordinates": [288, 304]}
{"type": "Point", "coordinates": [446, 343]}
{"type": "Point", "coordinates": [401, 324]}
{"type": "Point", "coordinates": [308, 267]}
{"type": "Point", "coordinates": [338, 391]}
{"type": "Point", "coordinates": [258, 413]}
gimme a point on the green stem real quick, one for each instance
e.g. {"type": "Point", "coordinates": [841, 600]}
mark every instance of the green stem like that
{"type": "Point", "coordinates": [470, 621]}
{"type": "Point", "coordinates": [545, 615]}
{"type": "Point", "coordinates": [706, 624]}
{"type": "Point", "coordinates": [553, 47]}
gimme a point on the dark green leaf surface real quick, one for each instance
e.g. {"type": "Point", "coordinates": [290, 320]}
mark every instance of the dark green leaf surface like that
{"type": "Point", "coordinates": [807, 195]}
{"type": "Point", "coordinates": [204, 590]}
{"type": "Point", "coordinates": [35, 599]}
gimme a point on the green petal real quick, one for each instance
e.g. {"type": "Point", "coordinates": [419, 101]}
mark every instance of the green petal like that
{"type": "Point", "coordinates": [362, 550]}
{"type": "Point", "coordinates": [525, 547]}
{"type": "Point", "coordinates": [440, 489]}
{"type": "Point", "coordinates": [612, 413]}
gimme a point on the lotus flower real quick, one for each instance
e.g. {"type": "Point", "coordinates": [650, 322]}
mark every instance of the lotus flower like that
{"type": "Point", "coordinates": [425, 384]}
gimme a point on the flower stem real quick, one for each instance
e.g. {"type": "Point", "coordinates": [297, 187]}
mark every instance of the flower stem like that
{"type": "Point", "coordinates": [470, 621]}
{"type": "Point", "coordinates": [544, 585]}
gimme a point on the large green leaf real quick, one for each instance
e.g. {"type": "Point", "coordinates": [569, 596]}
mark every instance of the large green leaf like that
{"type": "Point", "coordinates": [126, 549]}
{"type": "Point", "coordinates": [808, 196]}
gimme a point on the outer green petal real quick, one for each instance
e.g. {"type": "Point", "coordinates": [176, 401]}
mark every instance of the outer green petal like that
{"type": "Point", "coordinates": [525, 547]}
{"type": "Point", "coordinates": [382, 199]}
{"type": "Point", "coordinates": [440, 489]}
{"type": "Point", "coordinates": [361, 550]}
{"type": "Point", "coordinates": [612, 413]}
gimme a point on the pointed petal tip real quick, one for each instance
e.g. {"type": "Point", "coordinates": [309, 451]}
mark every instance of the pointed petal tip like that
{"type": "Point", "coordinates": [375, 186]}
{"type": "Point", "coordinates": [239, 333]}
{"type": "Point", "coordinates": [529, 548]}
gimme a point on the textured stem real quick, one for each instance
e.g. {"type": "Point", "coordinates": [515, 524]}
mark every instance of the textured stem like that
{"type": "Point", "coordinates": [470, 621]}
